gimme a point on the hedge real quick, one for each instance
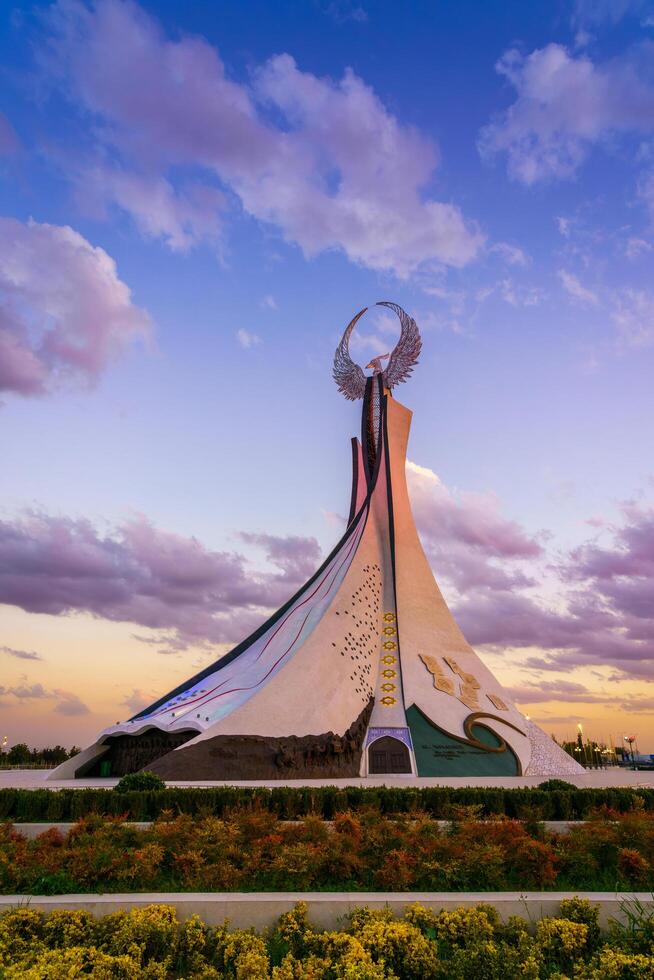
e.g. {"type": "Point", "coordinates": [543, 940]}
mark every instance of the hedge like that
{"type": "Point", "coordinates": [288, 803]}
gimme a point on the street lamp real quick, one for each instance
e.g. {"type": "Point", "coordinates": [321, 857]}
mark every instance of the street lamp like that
{"type": "Point", "coordinates": [630, 739]}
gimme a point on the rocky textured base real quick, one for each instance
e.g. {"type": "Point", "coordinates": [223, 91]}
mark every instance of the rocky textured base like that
{"type": "Point", "coordinates": [548, 758]}
{"type": "Point", "coordinates": [129, 753]}
{"type": "Point", "coordinates": [260, 757]}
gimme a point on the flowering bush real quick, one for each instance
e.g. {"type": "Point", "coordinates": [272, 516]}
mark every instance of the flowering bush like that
{"type": "Point", "coordinates": [461, 944]}
{"type": "Point", "coordinates": [251, 850]}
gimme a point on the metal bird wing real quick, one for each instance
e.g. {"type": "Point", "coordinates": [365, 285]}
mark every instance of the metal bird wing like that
{"type": "Point", "coordinates": [407, 350]}
{"type": "Point", "coordinates": [349, 377]}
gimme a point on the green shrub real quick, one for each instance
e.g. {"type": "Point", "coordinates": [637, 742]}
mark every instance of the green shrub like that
{"type": "Point", "coordinates": [139, 781]}
{"type": "Point", "coordinates": [292, 802]}
{"type": "Point", "coordinates": [550, 784]}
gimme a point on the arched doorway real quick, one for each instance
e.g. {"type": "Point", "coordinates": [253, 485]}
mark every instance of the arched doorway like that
{"type": "Point", "coordinates": [388, 755]}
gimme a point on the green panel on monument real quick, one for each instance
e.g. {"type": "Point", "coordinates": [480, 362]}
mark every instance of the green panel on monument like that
{"type": "Point", "coordinates": [439, 754]}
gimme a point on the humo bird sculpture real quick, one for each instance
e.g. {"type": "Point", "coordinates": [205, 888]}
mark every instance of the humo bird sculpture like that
{"type": "Point", "coordinates": [349, 377]}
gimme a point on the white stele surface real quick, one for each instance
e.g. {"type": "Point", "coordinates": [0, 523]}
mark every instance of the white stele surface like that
{"type": "Point", "coordinates": [300, 678]}
{"type": "Point", "coordinates": [426, 625]}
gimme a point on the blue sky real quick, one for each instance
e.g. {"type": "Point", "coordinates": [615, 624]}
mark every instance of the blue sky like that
{"type": "Point", "coordinates": [239, 180]}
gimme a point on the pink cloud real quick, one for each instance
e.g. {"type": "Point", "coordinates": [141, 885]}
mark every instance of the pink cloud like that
{"type": "Point", "coordinates": [143, 575]}
{"type": "Point", "coordinates": [67, 702]}
{"type": "Point", "coordinates": [568, 691]}
{"type": "Point", "coordinates": [70, 704]}
{"type": "Point", "coordinates": [489, 567]}
{"type": "Point", "coordinates": [467, 539]}
{"type": "Point", "coordinates": [64, 313]}
{"type": "Point", "coordinates": [605, 615]}
{"type": "Point", "coordinates": [322, 160]}
{"type": "Point", "coordinates": [188, 594]}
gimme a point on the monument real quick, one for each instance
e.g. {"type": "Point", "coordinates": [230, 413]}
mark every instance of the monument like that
{"type": "Point", "coordinates": [362, 672]}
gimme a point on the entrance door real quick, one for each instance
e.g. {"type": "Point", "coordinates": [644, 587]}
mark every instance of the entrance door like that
{"type": "Point", "coordinates": [388, 755]}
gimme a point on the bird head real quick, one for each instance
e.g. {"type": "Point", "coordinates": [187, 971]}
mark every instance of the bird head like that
{"type": "Point", "coordinates": [375, 362]}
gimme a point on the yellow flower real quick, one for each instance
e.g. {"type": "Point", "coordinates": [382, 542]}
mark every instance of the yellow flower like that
{"type": "Point", "coordinates": [561, 939]}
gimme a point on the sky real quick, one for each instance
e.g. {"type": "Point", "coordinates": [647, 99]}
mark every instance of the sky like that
{"type": "Point", "coordinates": [194, 201]}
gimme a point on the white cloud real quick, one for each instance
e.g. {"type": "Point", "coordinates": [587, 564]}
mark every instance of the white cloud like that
{"type": "Point", "coordinates": [634, 316]}
{"type": "Point", "coordinates": [516, 295]}
{"type": "Point", "coordinates": [511, 253]}
{"type": "Point", "coordinates": [564, 225]}
{"type": "Point", "coordinates": [572, 285]}
{"type": "Point", "coordinates": [564, 105]}
{"type": "Point", "coordinates": [181, 217]}
{"type": "Point", "coordinates": [600, 12]}
{"type": "Point", "coordinates": [322, 160]}
{"type": "Point", "coordinates": [636, 247]}
{"type": "Point", "coordinates": [247, 339]}
{"type": "Point", "coordinates": [269, 302]}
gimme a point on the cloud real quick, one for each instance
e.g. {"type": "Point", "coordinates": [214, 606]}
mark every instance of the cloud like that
{"type": "Point", "coordinates": [181, 217]}
{"type": "Point", "coordinates": [604, 615]}
{"type": "Point", "coordinates": [269, 302]}
{"type": "Point", "coordinates": [600, 12]}
{"type": "Point", "coordinates": [504, 618]}
{"type": "Point", "coordinates": [64, 313]}
{"type": "Point", "coordinates": [247, 339]}
{"type": "Point", "coordinates": [21, 654]}
{"type": "Point", "coordinates": [143, 575]}
{"type": "Point", "coordinates": [565, 105]}
{"type": "Point", "coordinates": [568, 691]}
{"type": "Point", "coordinates": [67, 702]}
{"type": "Point", "coordinates": [638, 246]}
{"type": "Point", "coordinates": [517, 296]}
{"type": "Point", "coordinates": [342, 11]}
{"type": "Point", "coordinates": [511, 253]}
{"type": "Point", "coordinates": [572, 285]}
{"type": "Point", "coordinates": [465, 536]}
{"type": "Point", "coordinates": [631, 310]}
{"type": "Point", "coordinates": [321, 160]}
{"type": "Point", "coordinates": [70, 704]}
{"type": "Point", "coordinates": [296, 558]}
{"type": "Point", "coordinates": [633, 315]}
{"type": "Point", "coordinates": [646, 191]}
{"type": "Point", "coordinates": [26, 692]}
{"type": "Point", "coordinates": [138, 700]}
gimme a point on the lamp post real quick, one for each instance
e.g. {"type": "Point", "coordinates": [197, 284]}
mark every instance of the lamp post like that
{"type": "Point", "coordinates": [580, 745]}
{"type": "Point", "coordinates": [630, 739]}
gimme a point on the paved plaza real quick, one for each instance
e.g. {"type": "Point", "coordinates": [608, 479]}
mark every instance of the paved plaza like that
{"type": "Point", "coordinates": [590, 778]}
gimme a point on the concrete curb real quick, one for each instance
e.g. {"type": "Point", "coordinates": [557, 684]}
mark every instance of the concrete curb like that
{"type": "Point", "coordinates": [598, 779]}
{"type": "Point", "coordinates": [326, 910]}
{"type": "Point", "coordinates": [32, 830]}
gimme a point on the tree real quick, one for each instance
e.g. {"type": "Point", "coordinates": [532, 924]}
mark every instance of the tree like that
{"type": "Point", "coordinates": [19, 754]}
